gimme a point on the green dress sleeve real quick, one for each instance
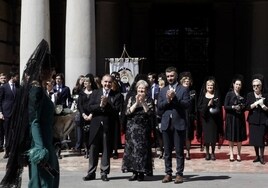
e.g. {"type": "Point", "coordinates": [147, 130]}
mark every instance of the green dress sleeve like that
{"type": "Point", "coordinates": [38, 152]}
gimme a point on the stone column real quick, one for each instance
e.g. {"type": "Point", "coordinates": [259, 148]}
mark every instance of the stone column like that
{"type": "Point", "coordinates": [80, 50]}
{"type": "Point", "coordinates": [35, 26]}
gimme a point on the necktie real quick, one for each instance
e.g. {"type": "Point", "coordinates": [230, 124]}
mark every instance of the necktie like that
{"type": "Point", "coordinates": [106, 93]}
{"type": "Point", "coordinates": [13, 88]}
{"type": "Point", "coordinates": [152, 92]}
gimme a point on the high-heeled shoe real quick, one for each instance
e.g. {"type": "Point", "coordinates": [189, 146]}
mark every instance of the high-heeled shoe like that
{"type": "Point", "coordinates": [257, 159]}
{"type": "Point", "coordinates": [188, 157]}
{"type": "Point", "coordinates": [161, 154]}
{"type": "Point", "coordinates": [238, 158]}
{"type": "Point", "coordinates": [231, 159]}
{"type": "Point", "coordinates": [262, 160]}
{"type": "Point", "coordinates": [140, 176]}
{"type": "Point", "coordinates": [133, 177]}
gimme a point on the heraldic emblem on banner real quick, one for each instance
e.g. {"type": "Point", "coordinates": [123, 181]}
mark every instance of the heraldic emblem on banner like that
{"type": "Point", "coordinates": [126, 66]}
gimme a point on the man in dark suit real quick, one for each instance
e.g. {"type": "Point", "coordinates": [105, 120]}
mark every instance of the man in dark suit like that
{"type": "Point", "coordinates": [2, 82]}
{"type": "Point", "coordinates": [173, 101]}
{"type": "Point", "coordinates": [63, 93]}
{"type": "Point", "coordinates": [154, 90]}
{"type": "Point", "coordinates": [7, 98]}
{"type": "Point", "coordinates": [104, 104]}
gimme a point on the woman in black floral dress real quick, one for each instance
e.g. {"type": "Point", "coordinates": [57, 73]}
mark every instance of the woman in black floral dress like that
{"type": "Point", "coordinates": [140, 113]}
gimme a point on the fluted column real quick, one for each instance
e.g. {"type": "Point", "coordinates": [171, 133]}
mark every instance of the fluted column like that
{"type": "Point", "coordinates": [35, 26]}
{"type": "Point", "coordinates": [80, 50]}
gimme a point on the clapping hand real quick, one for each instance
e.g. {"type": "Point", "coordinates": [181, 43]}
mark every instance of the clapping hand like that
{"type": "Point", "coordinates": [140, 98]}
{"type": "Point", "coordinates": [259, 102]}
{"type": "Point", "coordinates": [104, 101]}
{"type": "Point", "coordinates": [2, 116]}
{"type": "Point", "coordinates": [170, 94]}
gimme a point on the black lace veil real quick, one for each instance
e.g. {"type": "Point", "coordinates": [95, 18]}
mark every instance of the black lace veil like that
{"type": "Point", "coordinates": [19, 137]}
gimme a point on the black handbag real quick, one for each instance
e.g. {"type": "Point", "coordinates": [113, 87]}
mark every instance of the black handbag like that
{"type": "Point", "coordinates": [86, 127]}
{"type": "Point", "coordinates": [214, 110]}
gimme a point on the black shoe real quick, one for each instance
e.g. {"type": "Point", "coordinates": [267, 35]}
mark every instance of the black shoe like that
{"type": "Point", "coordinates": [213, 157]}
{"type": "Point", "coordinates": [77, 150]}
{"type": "Point", "coordinates": [115, 155]}
{"type": "Point", "coordinates": [140, 177]}
{"type": "Point", "coordinates": [262, 160]}
{"type": "Point", "coordinates": [104, 177]}
{"type": "Point", "coordinates": [86, 156]}
{"type": "Point", "coordinates": [161, 154]}
{"type": "Point", "coordinates": [238, 158]}
{"type": "Point", "coordinates": [6, 156]}
{"type": "Point", "coordinates": [188, 157]}
{"type": "Point", "coordinates": [257, 159]}
{"type": "Point", "coordinates": [207, 157]}
{"type": "Point", "coordinates": [2, 150]}
{"type": "Point", "coordinates": [89, 177]}
{"type": "Point", "coordinates": [133, 177]}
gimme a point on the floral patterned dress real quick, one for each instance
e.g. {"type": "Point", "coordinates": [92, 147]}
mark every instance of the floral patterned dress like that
{"type": "Point", "coordinates": [137, 154]}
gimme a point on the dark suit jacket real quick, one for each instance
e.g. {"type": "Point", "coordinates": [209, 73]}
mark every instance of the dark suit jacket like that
{"type": "Point", "coordinates": [156, 91]}
{"type": "Point", "coordinates": [103, 116]}
{"type": "Point", "coordinates": [7, 98]}
{"type": "Point", "coordinates": [123, 86]}
{"type": "Point", "coordinates": [63, 96]}
{"type": "Point", "coordinates": [177, 107]}
{"type": "Point", "coordinates": [256, 115]}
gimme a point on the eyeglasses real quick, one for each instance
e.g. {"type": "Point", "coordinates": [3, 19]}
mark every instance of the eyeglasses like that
{"type": "Point", "coordinates": [256, 85]}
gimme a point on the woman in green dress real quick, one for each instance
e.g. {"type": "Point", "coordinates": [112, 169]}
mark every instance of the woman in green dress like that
{"type": "Point", "coordinates": [32, 128]}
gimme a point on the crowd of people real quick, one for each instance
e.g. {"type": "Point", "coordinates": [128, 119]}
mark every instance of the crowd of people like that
{"type": "Point", "coordinates": [165, 105]}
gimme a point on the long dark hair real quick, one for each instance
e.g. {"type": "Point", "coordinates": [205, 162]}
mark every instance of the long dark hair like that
{"type": "Point", "coordinates": [78, 87]}
{"type": "Point", "coordinates": [92, 81]}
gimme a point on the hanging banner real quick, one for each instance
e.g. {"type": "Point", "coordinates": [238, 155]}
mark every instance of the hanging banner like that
{"type": "Point", "coordinates": [128, 68]}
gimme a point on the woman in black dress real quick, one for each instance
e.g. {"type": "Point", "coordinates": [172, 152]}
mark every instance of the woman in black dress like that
{"type": "Point", "coordinates": [186, 81]}
{"type": "Point", "coordinates": [209, 108]}
{"type": "Point", "coordinates": [140, 112]}
{"type": "Point", "coordinates": [235, 129]}
{"type": "Point", "coordinates": [77, 118]}
{"type": "Point", "coordinates": [257, 118]}
{"type": "Point", "coordinates": [83, 103]}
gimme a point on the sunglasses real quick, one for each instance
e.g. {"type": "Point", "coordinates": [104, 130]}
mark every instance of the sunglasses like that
{"type": "Point", "coordinates": [256, 85]}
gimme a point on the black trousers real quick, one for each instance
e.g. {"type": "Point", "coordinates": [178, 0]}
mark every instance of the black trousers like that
{"type": "Point", "coordinates": [174, 138]}
{"type": "Point", "coordinates": [100, 144]}
{"type": "Point", "coordinates": [6, 125]}
{"type": "Point", "coordinates": [2, 133]}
